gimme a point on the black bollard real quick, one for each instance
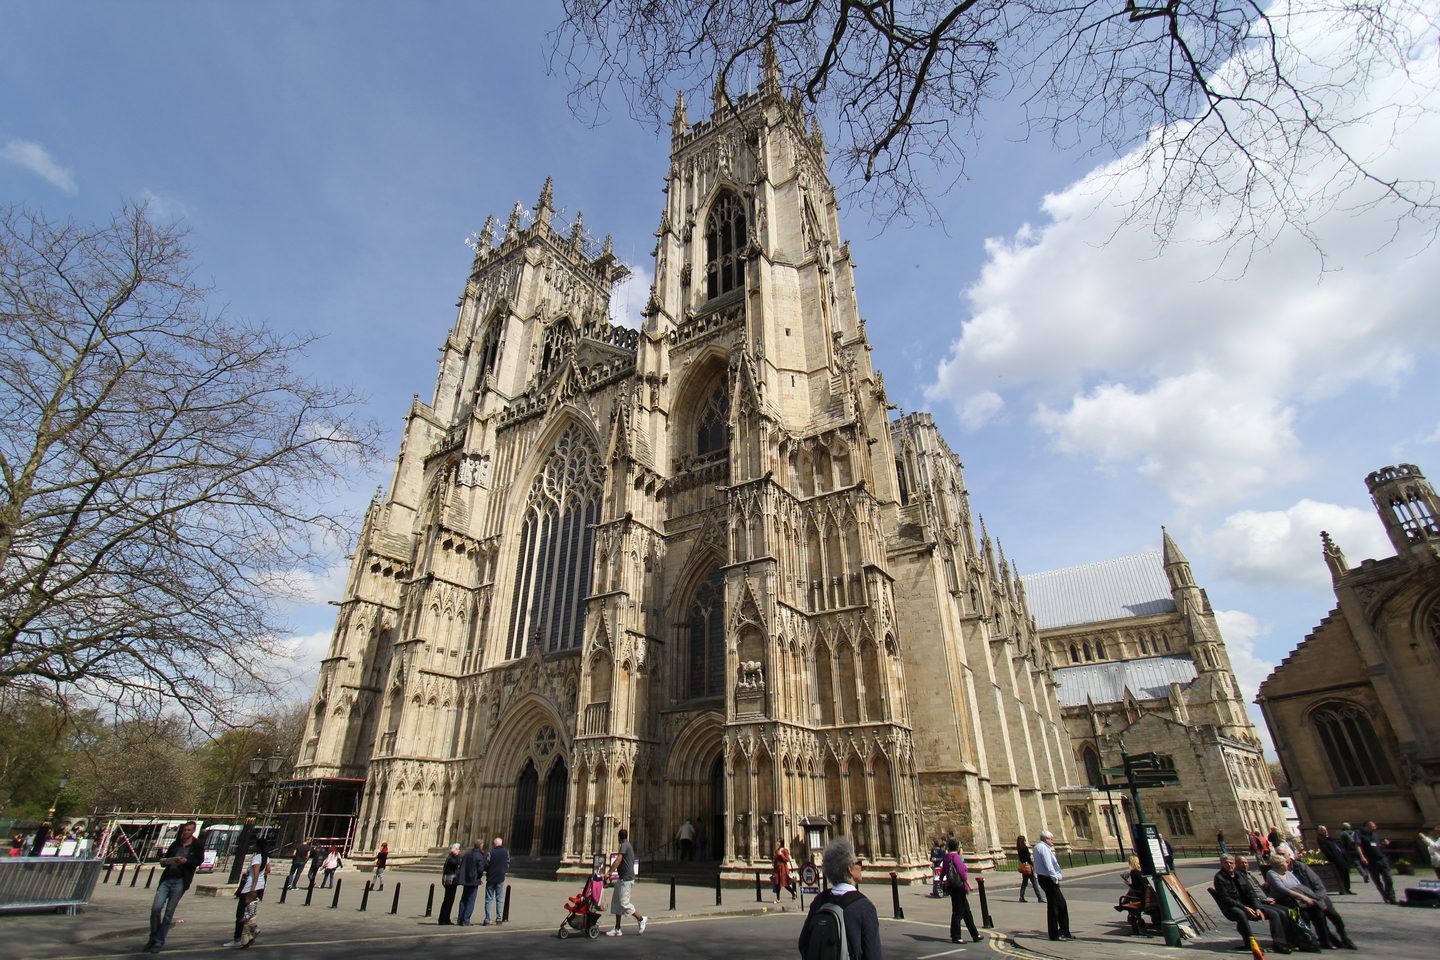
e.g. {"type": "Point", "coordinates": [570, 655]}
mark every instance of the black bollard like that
{"type": "Point", "coordinates": [135, 877]}
{"type": "Point", "coordinates": [108, 868]}
{"type": "Point", "coordinates": [121, 878]}
{"type": "Point", "coordinates": [895, 895]}
{"type": "Point", "coordinates": [430, 901]}
{"type": "Point", "coordinates": [335, 900]}
{"type": "Point", "coordinates": [150, 879]}
{"type": "Point", "coordinates": [395, 901]}
{"type": "Point", "coordinates": [284, 889]}
{"type": "Point", "coordinates": [365, 897]}
{"type": "Point", "coordinates": [985, 920]}
{"type": "Point", "coordinates": [507, 903]}
{"type": "Point", "coordinates": [758, 897]}
{"type": "Point", "coordinates": [717, 888]}
{"type": "Point", "coordinates": [309, 891]}
{"type": "Point", "coordinates": [672, 893]}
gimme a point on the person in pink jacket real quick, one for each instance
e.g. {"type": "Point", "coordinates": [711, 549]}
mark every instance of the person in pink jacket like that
{"type": "Point", "coordinates": [955, 877]}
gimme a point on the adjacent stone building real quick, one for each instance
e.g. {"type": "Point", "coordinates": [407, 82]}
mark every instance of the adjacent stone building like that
{"type": "Point", "coordinates": [1353, 709]}
{"type": "Point", "coordinates": [1140, 660]}
{"type": "Point", "coordinates": [624, 578]}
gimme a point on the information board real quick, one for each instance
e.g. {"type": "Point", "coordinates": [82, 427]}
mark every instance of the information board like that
{"type": "Point", "coordinates": [1148, 848]}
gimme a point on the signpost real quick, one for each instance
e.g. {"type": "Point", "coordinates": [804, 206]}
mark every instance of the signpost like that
{"type": "Point", "coordinates": [1143, 771]}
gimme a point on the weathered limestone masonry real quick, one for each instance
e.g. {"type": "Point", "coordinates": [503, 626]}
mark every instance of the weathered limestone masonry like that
{"type": "Point", "coordinates": [1353, 709]}
{"type": "Point", "coordinates": [1140, 658]}
{"type": "Point", "coordinates": [628, 578]}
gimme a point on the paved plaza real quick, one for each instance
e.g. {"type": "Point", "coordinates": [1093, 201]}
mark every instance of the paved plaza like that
{"type": "Point", "coordinates": [115, 925]}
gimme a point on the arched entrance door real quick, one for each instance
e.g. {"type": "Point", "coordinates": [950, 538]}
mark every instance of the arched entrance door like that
{"type": "Point", "coordinates": [552, 836]}
{"type": "Point", "coordinates": [522, 833]}
{"type": "Point", "coordinates": [717, 809]}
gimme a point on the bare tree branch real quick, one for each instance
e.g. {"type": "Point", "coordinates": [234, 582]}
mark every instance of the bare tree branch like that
{"type": "Point", "coordinates": [164, 469]}
{"type": "Point", "coordinates": [1210, 102]}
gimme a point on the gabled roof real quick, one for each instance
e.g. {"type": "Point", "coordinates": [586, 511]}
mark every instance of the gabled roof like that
{"type": "Point", "coordinates": [1148, 679]}
{"type": "Point", "coordinates": [1133, 586]}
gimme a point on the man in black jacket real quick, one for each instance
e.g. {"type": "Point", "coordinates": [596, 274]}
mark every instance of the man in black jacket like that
{"type": "Point", "coordinates": [472, 874]}
{"type": "Point", "coordinates": [181, 860]}
{"type": "Point", "coordinates": [1334, 854]}
{"type": "Point", "coordinates": [1240, 900]}
{"type": "Point", "coordinates": [1372, 847]}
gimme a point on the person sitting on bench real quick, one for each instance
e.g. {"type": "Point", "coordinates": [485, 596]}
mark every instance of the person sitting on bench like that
{"type": "Point", "coordinates": [1239, 899]}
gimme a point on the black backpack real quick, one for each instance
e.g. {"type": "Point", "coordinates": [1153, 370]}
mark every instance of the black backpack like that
{"type": "Point", "coordinates": [827, 933]}
{"type": "Point", "coordinates": [951, 876]}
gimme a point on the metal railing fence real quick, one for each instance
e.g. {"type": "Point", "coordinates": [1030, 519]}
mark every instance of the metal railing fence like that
{"type": "Point", "coordinates": [46, 883]}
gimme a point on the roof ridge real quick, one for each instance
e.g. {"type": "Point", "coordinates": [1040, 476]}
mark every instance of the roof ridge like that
{"type": "Point", "coordinates": [1093, 563]}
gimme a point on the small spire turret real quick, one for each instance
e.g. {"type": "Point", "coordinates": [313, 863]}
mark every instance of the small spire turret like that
{"type": "Point", "coordinates": [512, 226]}
{"type": "Point", "coordinates": [1334, 557]}
{"type": "Point", "coordinates": [545, 206]}
{"type": "Point", "coordinates": [678, 123]}
{"type": "Point", "coordinates": [577, 229]}
{"type": "Point", "coordinates": [770, 64]}
{"type": "Point", "coordinates": [487, 236]}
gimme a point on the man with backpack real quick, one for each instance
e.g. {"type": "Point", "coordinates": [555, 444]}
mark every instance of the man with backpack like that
{"type": "Point", "coordinates": [842, 923]}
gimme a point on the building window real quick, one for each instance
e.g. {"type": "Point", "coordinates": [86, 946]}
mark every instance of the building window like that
{"type": "Point", "coordinates": [1092, 768]}
{"type": "Point", "coordinates": [725, 246]}
{"type": "Point", "coordinates": [712, 425]}
{"type": "Point", "coordinates": [490, 348]}
{"type": "Point", "coordinates": [1177, 818]}
{"type": "Point", "coordinates": [1100, 649]}
{"type": "Point", "coordinates": [706, 674]}
{"type": "Point", "coordinates": [1351, 746]}
{"type": "Point", "coordinates": [904, 480]}
{"type": "Point", "coordinates": [557, 547]}
{"type": "Point", "coordinates": [1080, 822]}
{"type": "Point", "coordinates": [1074, 655]}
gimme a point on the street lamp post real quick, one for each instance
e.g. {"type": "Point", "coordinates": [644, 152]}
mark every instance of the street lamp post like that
{"type": "Point", "coordinates": [43, 834]}
{"type": "Point", "coordinates": [262, 773]}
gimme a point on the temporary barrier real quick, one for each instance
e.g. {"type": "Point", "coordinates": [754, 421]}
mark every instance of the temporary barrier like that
{"type": "Point", "coordinates": [47, 883]}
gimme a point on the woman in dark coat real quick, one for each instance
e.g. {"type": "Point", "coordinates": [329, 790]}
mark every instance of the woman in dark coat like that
{"type": "Point", "coordinates": [449, 879]}
{"type": "Point", "coordinates": [1027, 869]}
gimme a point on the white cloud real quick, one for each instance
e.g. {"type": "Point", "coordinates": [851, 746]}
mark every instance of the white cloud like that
{"type": "Point", "coordinates": [1241, 631]}
{"type": "Point", "coordinates": [979, 409]}
{"type": "Point", "coordinates": [305, 653]}
{"type": "Point", "coordinates": [630, 296]}
{"type": "Point", "coordinates": [35, 158]}
{"type": "Point", "coordinates": [1168, 362]}
{"type": "Point", "coordinates": [1282, 547]}
{"type": "Point", "coordinates": [163, 207]}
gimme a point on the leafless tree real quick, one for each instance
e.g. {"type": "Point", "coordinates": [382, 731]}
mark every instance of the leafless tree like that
{"type": "Point", "coordinates": [1243, 105]}
{"type": "Point", "coordinates": [165, 471]}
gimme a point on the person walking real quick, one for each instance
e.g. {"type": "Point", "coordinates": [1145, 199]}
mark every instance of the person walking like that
{"type": "Point", "coordinates": [333, 862]}
{"type": "Point", "coordinates": [1350, 840]}
{"type": "Point", "coordinates": [1026, 866]}
{"type": "Point", "coordinates": [1372, 846]}
{"type": "Point", "coordinates": [1220, 842]}
{"type": "Point", "coordinates": [780, 871]}
{"type": "Point", "coordinates": [298, 856]}
{"type": "Point", "coordinates": [862, 924]}
{"type": "Point", "coordinates": [686, 836]}
{"type": "Point", "coordinates": [623, 866]}
{"type": "Point", "coordinates": [937, 862]}
{"type": "Point", "coordinates": [472, 874]}
{"type": "Point", "coordinates": [1431, 845]}
{"type": "Point", "coordinates": [1047, 871]}
{"type": "Point", "coordinates": [248, 896]}
{"type": "Point", "coordinates": [1334, 854]}
{"type": "Point", "coordinates": [382, 856]}
{"type": "Point", "coordinates": [495, 867]}
{"type": "Point", "coordinates": [450, 879]}
{"type": "Point", "coordinates": [1241, 900]}
{"type": "Point", "coordinates": [317, 859]}
{"type": "Point", "coordinates": [956, 880]}
{"type": "Point", "coordinates": [182, 858]}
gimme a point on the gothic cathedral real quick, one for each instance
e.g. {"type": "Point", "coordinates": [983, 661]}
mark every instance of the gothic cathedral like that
{"type": "Point", "coordinates": [628, 578]}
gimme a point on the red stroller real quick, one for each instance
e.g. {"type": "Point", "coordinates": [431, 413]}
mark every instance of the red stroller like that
{"type": "Point", "coordinates": [582, 911]}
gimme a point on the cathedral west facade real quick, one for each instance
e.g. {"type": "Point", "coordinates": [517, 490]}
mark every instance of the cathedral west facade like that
{"type": "Point", "coordinates": [696, 571]}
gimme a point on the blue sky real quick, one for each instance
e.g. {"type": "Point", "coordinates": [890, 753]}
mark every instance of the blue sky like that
{"type": "Point", "coordinates": [331, 158]}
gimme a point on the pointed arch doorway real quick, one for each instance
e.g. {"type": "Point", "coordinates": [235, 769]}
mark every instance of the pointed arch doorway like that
{"type": "Point", "coordinates": [552, 833]}
{"type": "Point", "coordinates": [522, 830]}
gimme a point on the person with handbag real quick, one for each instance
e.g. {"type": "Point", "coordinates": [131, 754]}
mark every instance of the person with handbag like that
{"type": "Point", "coordinates": [1027, 869]}
{"type": "Point", "coordinates": [1289, 890]}
{"type": "Point", "coordinates": [449, 879]}
{"type": "Point", "coordinates": [955, 878]}
{"type": "Point", "coordinates": [1241, 900]}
